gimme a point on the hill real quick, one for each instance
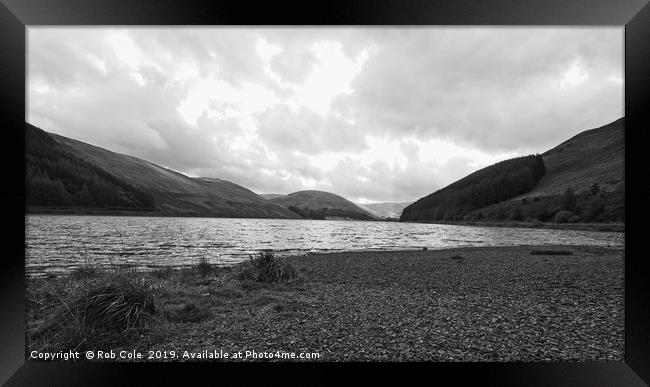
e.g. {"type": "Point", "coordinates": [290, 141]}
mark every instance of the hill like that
{"type": "Point", "coordinates": [583, 182]}
{"type": "Point", "coordinates": [321, 205]}
{"type": "Point", "coordinates": [385, 210]}
{"type": "Point", "coordinates": [484, 187]}
{"type": "Point", "coordinates": [594, 156]}
{"type": "Point", "coordinates": [115, 183]}
{"type": "Point", "coordinates": [270, 196]}
{"type": "Point", "coordinates": [56, 177]}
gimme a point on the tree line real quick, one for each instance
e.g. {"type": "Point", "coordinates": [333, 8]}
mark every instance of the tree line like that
{"type": "Point", "coordinates": [55, 177]}
{"type": "Point", "coordinates": [482, 188]}
{"type": "Point", "coordinates": [331, 212]}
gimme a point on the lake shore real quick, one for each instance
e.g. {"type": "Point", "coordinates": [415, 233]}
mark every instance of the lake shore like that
{"type": "Point", "coordinates": [461, 304]}
{"type": "Point", "coordinates": [607, 227]}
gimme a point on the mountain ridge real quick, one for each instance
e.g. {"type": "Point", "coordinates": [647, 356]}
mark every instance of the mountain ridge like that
{"type": "Point", "coordinates": [174, 193]}
{"type": "Point", "coordinates": [583, 181]}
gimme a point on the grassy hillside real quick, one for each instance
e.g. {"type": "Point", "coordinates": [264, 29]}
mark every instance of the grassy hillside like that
{"type": "Point", "coordinates": [320, 205]}
{"type": "Point", "coordinates": [385, 210]}
{"type": "Point", "coordinates": [583, 182]}
{"type": "Point", "coordinates": [594, 156]}
{"type": "Point", "coordinates": [172, 193]}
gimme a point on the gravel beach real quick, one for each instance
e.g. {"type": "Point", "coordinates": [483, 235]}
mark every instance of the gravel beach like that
{"type": "Point", "coordinates": [464, 304]}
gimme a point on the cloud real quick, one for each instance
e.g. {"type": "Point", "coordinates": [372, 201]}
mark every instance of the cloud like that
{"type": "Point", "coordinates": [497, 88]}
{"type": "Point", "coordinates": [368, 113]}
{"type": "Point", "coordinates": [307, 132]}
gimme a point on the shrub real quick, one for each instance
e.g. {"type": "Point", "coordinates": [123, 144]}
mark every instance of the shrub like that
{"type": "Point", "coordinates": [117, 305]}
{"type": "Point", "coordinates": [265, 267]}
{"type": "Point", "coordinates": [102, 313]}
{"type": "Point", "coordinates": [563, 216]}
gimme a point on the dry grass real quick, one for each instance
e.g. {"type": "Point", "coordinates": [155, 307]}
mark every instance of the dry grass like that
{"type": "Point", "coordinates": [106, 308]}
{"type": "Point", "coordinates": [97, 311]}
{"type": "Point", "coordinates": [265, 267]}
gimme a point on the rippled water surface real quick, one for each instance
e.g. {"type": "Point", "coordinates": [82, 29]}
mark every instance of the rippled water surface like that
{"type": "Point", "coordinates": [59, 243]}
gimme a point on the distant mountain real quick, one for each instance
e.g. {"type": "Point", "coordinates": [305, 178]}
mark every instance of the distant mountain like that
{"type": "Point", "coordinates": [385, 210]}
{"type": "Point", "coordinates": [321, 205]}
{"type": "Point", "coordinates": [82, 178]}
{"type": "Point", "coordinates": [270, 196]}
{"type": "Point", "coordinates": [583, 181]}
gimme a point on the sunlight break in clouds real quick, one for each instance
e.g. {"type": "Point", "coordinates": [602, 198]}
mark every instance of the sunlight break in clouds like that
{"type": "Point", "coordinates": [372, 114]}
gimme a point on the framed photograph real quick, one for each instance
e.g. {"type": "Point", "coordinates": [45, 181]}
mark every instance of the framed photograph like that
{"type": "Point", "coordinates": [440, 189]}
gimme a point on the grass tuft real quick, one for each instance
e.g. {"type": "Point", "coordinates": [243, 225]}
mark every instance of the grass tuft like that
{"type": "Point", "coordinates": [265, 267]}
{"type": "Point", "coordinates": [100, 313]}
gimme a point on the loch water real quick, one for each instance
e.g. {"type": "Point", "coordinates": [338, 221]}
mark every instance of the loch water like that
{"type": "Point", "coordinates": [59, 243]}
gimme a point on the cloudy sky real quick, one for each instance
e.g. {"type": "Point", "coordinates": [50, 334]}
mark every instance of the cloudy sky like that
{"type": "Point", "coordinates": [372, 114]}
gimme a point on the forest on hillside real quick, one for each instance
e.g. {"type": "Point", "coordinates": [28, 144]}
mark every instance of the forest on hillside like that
{"type": "Point", "coordinates": [323, 213]}
{"type": "Point", "coordinates": [55, 177]}
{"type": "Point", "coordinates": [487, 186]}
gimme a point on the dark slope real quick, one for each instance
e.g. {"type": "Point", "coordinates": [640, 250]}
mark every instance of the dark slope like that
{"type": "Point", "coordinates": [583, 182]}
{"type": "Point", "coordinates": [319, 205]}
{"type": "Point", "coordinates": [55, 177]}
{"type": "Point", "coordinates": [484, 187]}
{"type": "Point", "coordinates": [174, 194]}
{"type": "Point", "coordinates": [591, 166]}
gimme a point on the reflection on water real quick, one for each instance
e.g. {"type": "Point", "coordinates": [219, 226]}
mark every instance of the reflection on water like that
{"type": "Point", "coordinates": [58, 243]}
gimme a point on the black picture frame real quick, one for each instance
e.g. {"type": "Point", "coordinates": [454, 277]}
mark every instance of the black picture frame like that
{"type": "Point", "coordinates": [15, 15]}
